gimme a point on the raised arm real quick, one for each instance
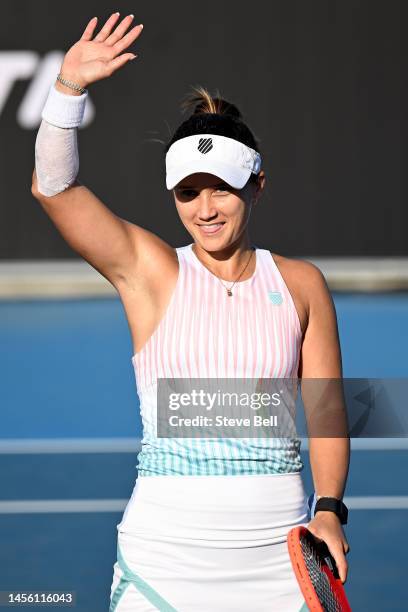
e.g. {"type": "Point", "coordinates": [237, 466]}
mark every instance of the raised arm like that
{"type": "Point", "coordinates": [110, 244]}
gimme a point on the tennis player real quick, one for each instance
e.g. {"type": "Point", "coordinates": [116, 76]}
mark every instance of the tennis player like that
{"type": "Point", "coordinates": [205, 528]}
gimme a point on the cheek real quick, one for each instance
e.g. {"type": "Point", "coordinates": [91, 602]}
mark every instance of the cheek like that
{"type": "Point", "coordinates": [186, 216]}
{"type": "Point", "coordinates": [238, 210]}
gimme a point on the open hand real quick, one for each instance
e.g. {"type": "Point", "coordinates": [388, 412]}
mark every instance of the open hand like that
{"type": "Point", "coordinates": [92, 59]}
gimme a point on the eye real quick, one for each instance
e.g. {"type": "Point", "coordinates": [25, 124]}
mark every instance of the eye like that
{"type": "Point", "coordinates": [191, 192]}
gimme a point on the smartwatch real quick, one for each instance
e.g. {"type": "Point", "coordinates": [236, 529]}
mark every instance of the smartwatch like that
{"type": "Point", "coordinates": [333, 505]}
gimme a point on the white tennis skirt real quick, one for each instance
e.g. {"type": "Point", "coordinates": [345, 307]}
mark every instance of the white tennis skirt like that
{"type": "Point", "coordinates": [209, 544]}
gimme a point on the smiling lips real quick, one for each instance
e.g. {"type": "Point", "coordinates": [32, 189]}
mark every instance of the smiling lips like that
{"type": "Point", "coordinates": [211, 229]}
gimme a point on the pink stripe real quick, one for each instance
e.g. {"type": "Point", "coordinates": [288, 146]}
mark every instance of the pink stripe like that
{"type": "Point", "coordinates": [261, 293]}
{"type": "Point", "coordinates": [160, 351]}
{"type": "Point", "coordinates": [269, 334]}
{"type": "Point", "coordinates": [245, 342]}
{"type": "Point", "coordinates": [196, 329]}
{"type": "Point", "coordinates": [179, 319]}
{"type": "Point", "coordinates": [208, 303]}
{"type": "Point", "coordinates": [204, 330]}
{"type": "Point", "coordinates": [254, 335]}
{"type": "Point", "coordinates": [225, 326]}
{"type": "Point", "coordinates": [217, 343]}
{"type": "Point", "coordinates": [189, 316]}
{"type": "Point", "coordinates": [235, 316]}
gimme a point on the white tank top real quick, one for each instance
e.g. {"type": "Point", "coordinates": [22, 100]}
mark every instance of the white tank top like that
{"type": "Point", "coordinates": [255, 333]}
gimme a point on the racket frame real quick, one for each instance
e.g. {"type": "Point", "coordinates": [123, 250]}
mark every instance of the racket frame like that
{"type": "Point", "coordinates": [302, 574]}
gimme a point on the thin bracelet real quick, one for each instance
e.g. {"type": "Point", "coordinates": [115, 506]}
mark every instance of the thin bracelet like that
{"type": "Point", "coordinates": [71, 84]}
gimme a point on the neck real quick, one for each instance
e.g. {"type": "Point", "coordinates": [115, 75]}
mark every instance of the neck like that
{"type": "Point", "coordinates": [228, 263]}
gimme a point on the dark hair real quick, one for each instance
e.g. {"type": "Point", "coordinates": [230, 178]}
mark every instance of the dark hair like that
{"type": "Point", "coordinates": [213, 115]}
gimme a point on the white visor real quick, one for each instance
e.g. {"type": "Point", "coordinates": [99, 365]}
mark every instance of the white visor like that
{"type": "Point", "coordinates": [227, 158]}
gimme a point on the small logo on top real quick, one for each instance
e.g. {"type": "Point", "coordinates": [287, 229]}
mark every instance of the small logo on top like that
{"type": "Point", "coordinates": [275, 297]}
{"type": "Point", "coordinates": [205, 145]}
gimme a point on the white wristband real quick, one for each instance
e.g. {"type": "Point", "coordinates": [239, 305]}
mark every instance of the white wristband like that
{"type": "Point", "coordinates": [64, 110]}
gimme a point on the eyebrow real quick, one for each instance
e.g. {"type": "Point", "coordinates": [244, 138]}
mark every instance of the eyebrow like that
{"type": "Point", "coordinates": [193, 186]}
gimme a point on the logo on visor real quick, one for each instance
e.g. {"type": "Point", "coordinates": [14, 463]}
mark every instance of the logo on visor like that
{"type": "Point", "coordinates": [205, 145]}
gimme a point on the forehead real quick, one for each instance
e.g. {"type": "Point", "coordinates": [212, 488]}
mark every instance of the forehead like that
{"type": "Point", "coordinates": [200, 180]}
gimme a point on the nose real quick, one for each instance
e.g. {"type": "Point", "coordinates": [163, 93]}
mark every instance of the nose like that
{"type": "Point", "coordinates": [206, 206]}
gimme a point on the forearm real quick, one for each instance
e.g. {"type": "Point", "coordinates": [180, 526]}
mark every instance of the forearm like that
{"type": "Point", "coordinates": [56, 146]}
{"type": "Point", "coordinates": [329, 462]}
{"type": "Point", "coordinates": [56, 158]}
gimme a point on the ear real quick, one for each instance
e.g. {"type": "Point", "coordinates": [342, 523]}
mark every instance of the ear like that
{"type": "Point", "coordinates": [261, 182]}
{"type": "Point", "coordinates": [259, 187]}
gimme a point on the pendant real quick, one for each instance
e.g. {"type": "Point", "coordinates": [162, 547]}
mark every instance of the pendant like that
{"type": "Point", "coordinates": [229, 292]}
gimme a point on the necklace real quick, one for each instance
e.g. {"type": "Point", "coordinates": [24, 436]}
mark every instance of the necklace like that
{"type": "Point", "coordinates": [228, 289]}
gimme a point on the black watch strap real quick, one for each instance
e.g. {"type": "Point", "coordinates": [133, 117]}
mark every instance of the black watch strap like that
{"type": "Point", "coordinates": [333, 505]}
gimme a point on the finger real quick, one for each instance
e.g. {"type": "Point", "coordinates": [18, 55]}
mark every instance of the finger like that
{"type": "Point", "coordinates": [127, 40]}
{"type": "Point", "coordinates": [340, 560]}
{"type": "Point", "coordinates": [106, 30]}
{"type": "Point", "coordinates": [120, 30]}
{"type": "Point", "coordinates": [118, 62]}
{"type": "Point", "coordinates": [343, 573]}
{"type": "Point", "coordinates": [89, 30]}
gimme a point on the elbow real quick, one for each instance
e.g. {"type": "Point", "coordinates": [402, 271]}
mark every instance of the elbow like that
{"type": "Point", "coordinates": [35, 192]}
{"type": "Point", "coordinates": [46, 190]}
{"type": "Point", "coordinates": [34, 185]}
{"type": "Point", "coordinates": [48, 187]}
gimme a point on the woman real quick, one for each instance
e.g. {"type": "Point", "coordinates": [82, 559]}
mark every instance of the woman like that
{"type": "Point", "coordinates": [205, 528]}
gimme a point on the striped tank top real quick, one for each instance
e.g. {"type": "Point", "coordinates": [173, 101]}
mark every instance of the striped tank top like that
{"type": "Point", "coordinates": [204, 333]}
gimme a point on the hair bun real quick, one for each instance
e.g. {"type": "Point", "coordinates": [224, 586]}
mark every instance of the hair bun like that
{"type": "Point", "coordinates": [203, 102]}
{"type": "Point", "coordinates": [223, 108]}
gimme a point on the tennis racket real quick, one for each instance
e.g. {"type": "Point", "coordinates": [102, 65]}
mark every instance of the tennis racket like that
{"type": "Point", "coordinates": [316, 572]}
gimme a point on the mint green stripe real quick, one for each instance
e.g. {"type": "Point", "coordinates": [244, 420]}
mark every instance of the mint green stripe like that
{"type": "Point", "coordinates": [229, 457]}
{"type": "Point", "coordinates": [304, 608]}
{"type": "Point", "coordinates": [150, 594]}
{"type": "Point", "coordinates": [120, 589]}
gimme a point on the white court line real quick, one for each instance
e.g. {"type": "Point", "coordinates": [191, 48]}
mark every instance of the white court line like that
{"type": "Point", "coordinates": [33, 446]}
{"type": "Point", "coordinates": [367, 444]}
{"type": "Point", "coordinates": [377, 502]}
{"type": "Point", "coordinates": [52, 506]}
{"type": "Point", "coordinates": [62, 505]}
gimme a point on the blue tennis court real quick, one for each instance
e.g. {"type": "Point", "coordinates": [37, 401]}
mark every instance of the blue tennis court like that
{"type": "Point", "coordinates": [69, 437]}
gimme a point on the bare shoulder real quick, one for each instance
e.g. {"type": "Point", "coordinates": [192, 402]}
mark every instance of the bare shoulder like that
{"type": "Point", "coordinates": [300, 270]}
{"type": "Point", "coordinates": [321, 353]}
{"type": "Point", "coordinates": [305, 281]}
